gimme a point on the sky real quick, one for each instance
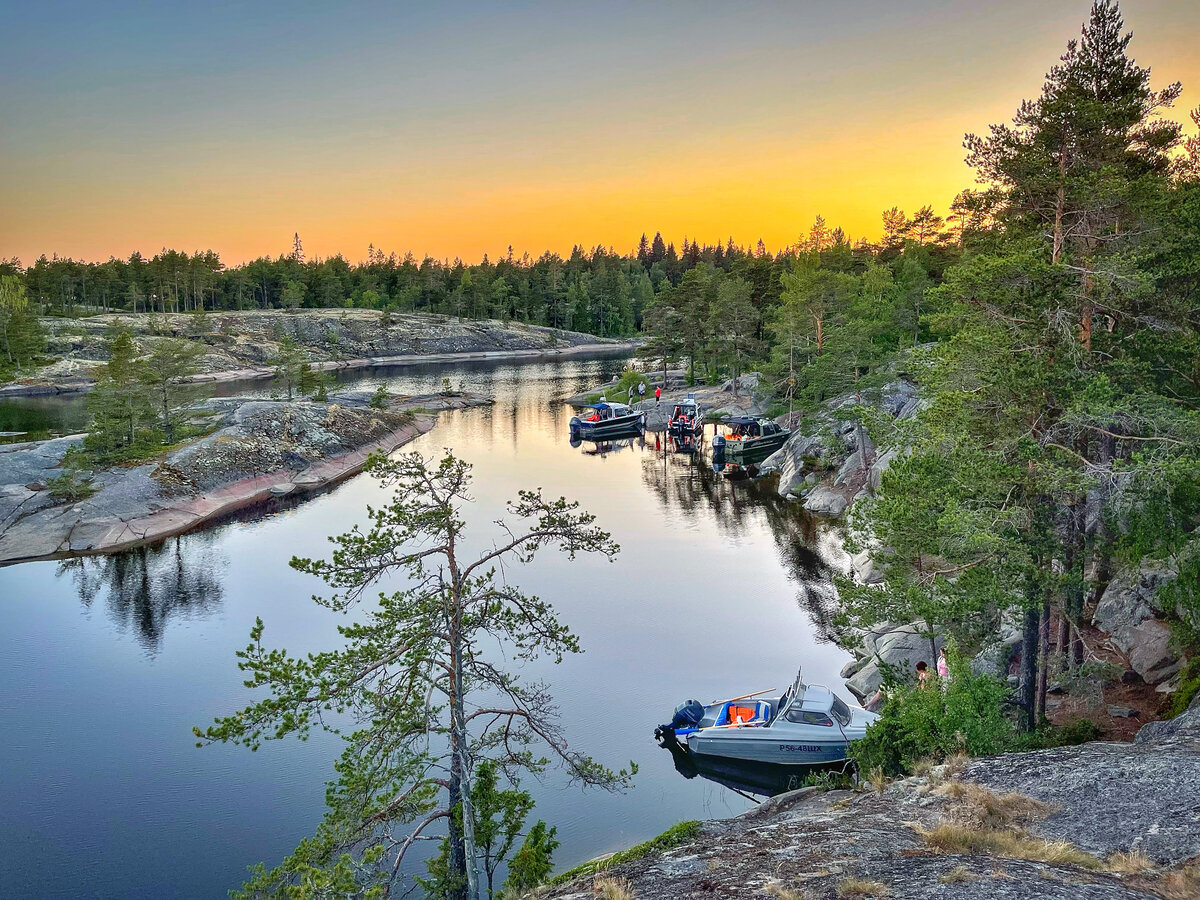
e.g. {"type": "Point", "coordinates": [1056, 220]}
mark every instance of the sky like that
{"type": "Point", "coordinates": [456, 129]}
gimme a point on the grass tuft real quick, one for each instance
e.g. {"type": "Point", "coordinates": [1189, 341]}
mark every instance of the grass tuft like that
{"type": "Point", "coordinates": [1132, 863]}
{"type": "Point", "coordinates": [779, 892]}
{"type": "Point", "coordinates": [860, 887]}
{"type": "Point", "coordinates": [955, 837]}
{"type": "Point", "coordinates": [956, 875]}
{"type": "Point", "coordinates": [877, 780]}
{"type": "Point", "coordinates": [1179, 884]}
{"type": "Point", "coordinates": [982, 808]}
{"type": "Point", "coordinates": [613, 889]}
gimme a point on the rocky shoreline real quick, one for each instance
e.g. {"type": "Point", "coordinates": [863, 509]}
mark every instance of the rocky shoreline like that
{"type": "Point", "coordinates": [240, 345]}
{"type": "Point", "coordinates": [259, 450]}
{"type": "Point", "coordinates": [1101, 820]}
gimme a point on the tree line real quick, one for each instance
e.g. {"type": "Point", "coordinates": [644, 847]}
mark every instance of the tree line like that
{"type": "Point", "coordinates": [601, 290]}
{"type": "Point", "coordinates": [1059, 362]}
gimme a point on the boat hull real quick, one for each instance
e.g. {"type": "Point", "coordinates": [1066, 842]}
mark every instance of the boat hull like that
{"type": "Point", "coordinates": [765, 748]}
{"type": "Point", "coordinates": [622, 425]}
{"type": "Point", "coordinates": [756, 450]}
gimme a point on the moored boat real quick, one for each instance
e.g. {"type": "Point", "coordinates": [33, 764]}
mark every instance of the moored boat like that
{"type": "Point", "coordinates": [807, 725]}
{"type": "Point", "coordinates": [605, 419]}
{"type": "Point", "coordinates": [687, 419]}
{"type": "Point", "coordinates": [749, 439]}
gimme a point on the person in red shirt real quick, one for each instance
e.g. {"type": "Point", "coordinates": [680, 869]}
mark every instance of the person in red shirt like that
{"type": "Point", "coordinates": [658, 394]}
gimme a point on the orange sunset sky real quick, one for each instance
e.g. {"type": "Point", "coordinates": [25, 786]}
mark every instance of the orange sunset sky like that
{"type": "Point", "coordinates": [462, 129]}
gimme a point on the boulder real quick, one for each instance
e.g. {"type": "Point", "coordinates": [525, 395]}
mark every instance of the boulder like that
{"type": "Point", "coordinates": [881, 464]}
{"type": "Point", "coordinates": [900, 399]}
{"type": "Point", "coordinates": [850, 668]}
{"type": "Point", "coordinates": [1127, 612]}
{"type": "Point", "coordinates": [823, 501]}
{"type": "Point", "coordinates": [850, 470]}
{"type": "Point", "coordinates": [1113, 797]}
{"type": "Point", "coordinates": [863, 568]}
{"type": "Point", "coordinates": [900, 649]}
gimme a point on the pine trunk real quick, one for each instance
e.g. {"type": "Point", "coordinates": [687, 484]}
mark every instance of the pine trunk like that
{"type": "Point", "coordinates": [1029, 651]}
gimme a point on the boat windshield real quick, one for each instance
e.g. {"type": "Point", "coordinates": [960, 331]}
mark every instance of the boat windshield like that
{"type": "Point", "coordinates": [808, 717]}
{"type": "Point", "coordinates": [840, 711]}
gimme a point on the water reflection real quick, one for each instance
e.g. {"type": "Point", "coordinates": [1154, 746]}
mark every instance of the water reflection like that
{"type": "Point", "coordinates": [146, 587]}
{"type": "Point", "coordinates": [84, 713]}
{"type": "Point", "coordinates": [750, 778]}
{"type": "Point", "coordinates": [683, 479]}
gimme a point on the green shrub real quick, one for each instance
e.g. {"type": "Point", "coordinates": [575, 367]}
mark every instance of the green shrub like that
{"type": "Point", "coordinates": [962, 713]}
{"type": "Point", "coordinates": [379, 399]}
{"type": "Point", "coordinates": [75, 482]}
{"type": "Point", "coordinates": [1189, 687]}
{"type": "Point", "coordinates": [533, 861]}
{"type": "Point", "coordinates": [620, 390]}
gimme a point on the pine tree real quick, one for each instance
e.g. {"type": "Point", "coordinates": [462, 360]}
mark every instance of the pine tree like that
{"type": "Point", "coordinates": [171, 363]}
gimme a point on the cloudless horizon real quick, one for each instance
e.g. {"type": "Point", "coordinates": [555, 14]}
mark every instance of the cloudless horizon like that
{"type": "Point", "coordinates": [459, 131]}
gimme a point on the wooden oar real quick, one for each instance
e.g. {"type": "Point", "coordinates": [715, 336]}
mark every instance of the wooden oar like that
{"type": "Point", "coordinates": [743, 697]}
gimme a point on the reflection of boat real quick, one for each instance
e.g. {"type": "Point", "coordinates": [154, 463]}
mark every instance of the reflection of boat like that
{"type": "Point", "coordinates": [606, 419]}
{"type": "Point", "coordinates": [687, 419]}
{"type": "Point", "coordinates": [605, 447]}
{"type": "Point", "coordinates": [749, 440]}
{"type": "Point", "coordinates": [807, 725]}
{"type": "Point", "coordinates": [684, 443]}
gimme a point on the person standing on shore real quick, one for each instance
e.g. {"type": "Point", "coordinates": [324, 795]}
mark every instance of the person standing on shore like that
{"type": "Point", "coordinates": [641, 390]}
{"type": "Point", "coordinates": [658, 395]}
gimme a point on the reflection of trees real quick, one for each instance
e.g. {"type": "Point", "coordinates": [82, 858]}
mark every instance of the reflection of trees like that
{"type": "Point", "coordinates": [145, 587]}
{"type": "Point", "coordinates": [686, 483]}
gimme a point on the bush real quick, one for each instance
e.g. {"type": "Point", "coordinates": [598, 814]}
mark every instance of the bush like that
{"type": "Point", "coordinates": [964, 713]}
{"type": "Point", "coordinates": [1078, 732]}
{"type": "Point", "coordinates": [1189, 687]}
{"type": "Point", "coordinates": [379, 399]}
{"type": "Point", "coordinates": [533, 862]}
{"type": "Point", "coordinates": [75, 482]}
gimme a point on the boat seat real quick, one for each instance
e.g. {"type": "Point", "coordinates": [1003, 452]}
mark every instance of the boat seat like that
{"type": "Point", "coordinates": [758, 714]}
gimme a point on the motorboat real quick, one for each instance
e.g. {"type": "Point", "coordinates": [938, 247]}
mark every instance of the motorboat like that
{"type": "Point", "coordinates": [749, 440]}
{"type": "Point", "coordinates": [604, 419]}
{"type": "Point", "coordinates": [807, 725]}
{"type": "Point", "coordinates": [687, 419]}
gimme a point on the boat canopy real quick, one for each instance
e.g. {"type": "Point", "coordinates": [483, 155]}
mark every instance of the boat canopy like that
{"type": "Point", "coordinates": [753, 427]}
{"type": "Point", "coordinates": [620, 408]}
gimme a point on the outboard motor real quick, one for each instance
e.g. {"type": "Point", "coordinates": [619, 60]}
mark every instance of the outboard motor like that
{"type": "Point", "coordinates": [688, 714]}
{"type": "Point", "coordinates": [574, 426]}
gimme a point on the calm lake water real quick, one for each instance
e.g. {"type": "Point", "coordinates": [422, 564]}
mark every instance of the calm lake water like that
{"type": "Point", "coordinates": [107, 663]}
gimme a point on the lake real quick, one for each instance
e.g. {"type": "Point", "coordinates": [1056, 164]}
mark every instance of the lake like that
{"type": "Point", "coordinates": [107, 663]}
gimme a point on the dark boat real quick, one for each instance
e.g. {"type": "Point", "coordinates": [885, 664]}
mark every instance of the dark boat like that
{"type": "Point", "coordinates": [604, 420]}
{"type": "Point", "coordinates": [749, 440]}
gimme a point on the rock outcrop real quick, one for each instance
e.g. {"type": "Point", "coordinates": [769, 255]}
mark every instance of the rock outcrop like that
{"type": "Point", "coordinates": [261, 449]}
{"type": "Point", "coordinates": [240, 345]}
{"type": "Point", "coordinates": [1081, 806]}
{"type": "Point", "coordinates": [1129, 611]}
{"type": "Point", "coordinates": [896, 648]}
{"type": "Point", "coordinates": [826, 444]}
